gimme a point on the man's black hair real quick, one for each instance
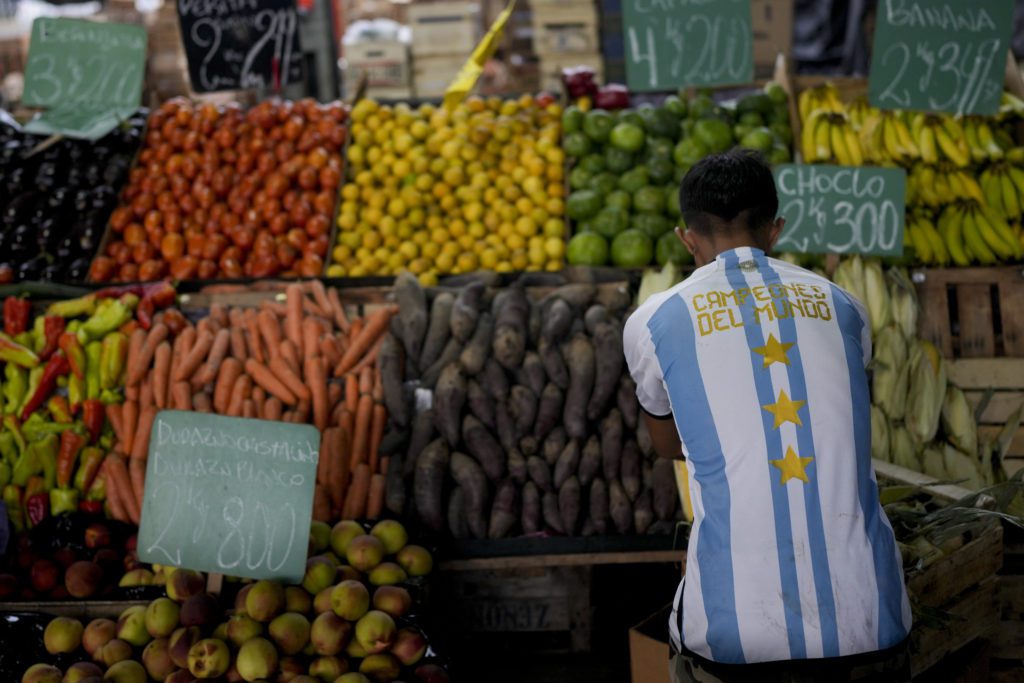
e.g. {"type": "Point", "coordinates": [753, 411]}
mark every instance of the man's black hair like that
{"type": "Point", "coordinates": [720, 188]}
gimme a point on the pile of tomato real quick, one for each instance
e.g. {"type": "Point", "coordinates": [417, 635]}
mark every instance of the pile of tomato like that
{"type": "Point", "coordinates": [220, 192]}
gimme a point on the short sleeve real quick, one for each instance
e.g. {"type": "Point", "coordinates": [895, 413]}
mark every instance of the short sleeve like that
{"type": "Point", "coordinates": [865, 330]}
{"type": "Point", "coordinates": [642, 360]}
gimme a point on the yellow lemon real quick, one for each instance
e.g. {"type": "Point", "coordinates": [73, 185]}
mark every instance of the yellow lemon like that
{"type": "Point", "coordinates": [466, 242]}
{"type": "Point", "coordinates": [396, 207]}
{"type": "Point", "coordinates": [334, 270]}
{"type": "Point", "coordinates": [372, 240]}
{"type": "Point", "coordinates": [520, 260]}
{"type": "Point", "coordinates": [467, 262]}
{"type": "Point", "coordinates": [504, 267]}
{"type": "Point", "coordinates": [554, 227]}
{"type": "Point", "coordinates": [515, 242]}
{"type": "Point", "coordinates": [431, 250]}
{"type": "Point", "coordinates": [341, 253]}
{"type": "Point", "coordinates": [489, 259]}
{"type": "Point", "coordinates": [525, 226]}
{"type": "Point", "coordinates": [428, 279]}
{"type": "Point", "coordinates": [457, 228]}
{"type": "Point", "coordinates": [554, 247]}
{"type": "Point", "coordinates": [445, 262]}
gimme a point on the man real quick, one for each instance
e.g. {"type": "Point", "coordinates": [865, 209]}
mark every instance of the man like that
{"type": "Point", "coordinates": [752, 370]}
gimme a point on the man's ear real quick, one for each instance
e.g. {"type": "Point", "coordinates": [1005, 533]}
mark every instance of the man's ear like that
{"type": "Point", "coordinates": [774, 230]}
{"type": "Point", "coordinates": [688, 239]}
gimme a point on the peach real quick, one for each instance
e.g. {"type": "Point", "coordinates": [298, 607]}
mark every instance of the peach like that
{"type": "Point", "coordinates": [126, 671]}
{"type": "Point", "coordinates": [415, 560]}
{"type": "Point", "coordinates": [131, 626]}
{"type": "Point", "coordinates": [387, 574]}
{"type": "Point", "coordinates": [297, 600]}
{"type": "Point", "coordinates": [41, 673]}
{"type": "Point", "coordinates": [265, 600]}
{"type": "Point", "coordinates": [82, 671]}
{"type": "Point", "coordinates": [319, 537]}
{"type": "Point", "coordinates": [342, 534]}
{"type": "Point", "coordinates": [392, 534]}
{"type": "Point", "coordinates": [113, 652]}
{"type": "Point", "coordinates": [97, 633]}
{"type": "Point", "coordinates": [157, 659]}
{"type": "Point", "coordinates": [290, 632]}
{"type": "Point", "coordinates": [320, 574]}
{"type": "Point", "coordinates": [209, 658]}
{"type": "Point", "coordinates": [184, 583]}
{"type": "Point", "coordinates": [242, 627]}
{"type": "Point", "coordinates": [327, 668]}
{"type": "Point", "coordinates": [257, 659]}
{"type": "Point", "coordinates": [162, 617]}
{"type": "Point", "coordinates": [350, 600]}
{"type": "Point", "coordinates": [365, 552]}
{"type": "Point", "coordinates": [181, 642]}
{"type": "Point", "coordinates": [136, 577]}
{"type": "Point", "coordinates": [200, 610]}
{"type": "Point", "coordinates": [329, 634]}
{"type": "Point", "coordinates": [83, 579]}
{"type": "Point", "coordinates": [62, 635]}
{"type": "Point", "coordinates": [394, 600]}
{"type": "Point", "coordinates": [409, 647]}
{"type": "Point", "coordinates": [380, 667]}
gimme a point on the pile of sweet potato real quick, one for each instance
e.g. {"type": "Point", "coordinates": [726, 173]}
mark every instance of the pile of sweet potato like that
{"type": "Point", "coordinates": [518, 414]}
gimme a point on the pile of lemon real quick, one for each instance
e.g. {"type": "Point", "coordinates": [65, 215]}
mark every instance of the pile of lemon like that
{"type": "Point", "coordinates": [438, 192]}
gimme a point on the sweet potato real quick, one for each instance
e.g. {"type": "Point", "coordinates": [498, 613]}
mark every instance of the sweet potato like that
{"type": "Point", "coordinates": [530, 517]}
{"type": "Point", "coordinates": [608, 360]}
{"type": "Point", "coordinates": [390, 363]}
{"type": "Point", "coordinates": [517, 467]}
{"type": "Point", "coordinates": [554, 364]}
{"type": "Point", "coordinates": [630, 470]}
{"type": "Point", "coordinates": [535, 323]}
{"type": "Point", "coordinates": [511, 312]}
{"type": "Point", "coordinates": [552, 515]}
{"type": "Point", "coordinates": [643, 439]}
{"type": "Point", "coordinates": [549, 411]}
{"type": "Point", "coordinates": [627, 402]}
{"type": "Point", "coordinates": [556, 320]}
{"type": "Point", "coordinates": [394, 485]}
{"type": "Point", "coordinates": [643, 513]}
{"type": "Point", "coordinates": [505, 427]}
{"type": "Point", "coordinates": [595, 315]}
{"type": "Point", "coordinates": [577, 295]}
{"type": "Point", "coordinates": [422, 434]}
{"type": "Point", "coordinates": [567, 464]}
{"type": "Point", "coordinates": [494, 380]}
{"type": "Point", "coordinates": [468, 474]}
{"type": "Point", "coordinates": [599, 506]}
{"type": "Point", "coordinates": [412, 309]}
{"type": "Point", "coordinates": [475, 353]}
{"type": "Point", "coordinates": [428, 484]}
{"type": "Point", "coordinates": [663, 484]}
{"type": "Point", "coordinates": [579, 359]}
{"type": "Point", "coordinates": [449, 355]}
{"type": "Point", "coordinates": [458, 525]}
{"type": "Point", "coordinates": [522, 407]}
{"type": "Point", "coordinates": [590, 461]}
{"type": "Point", "coordinates": [480, 403]}
{"type": "Point", "coordinates": [483, 447]}
{"type": "Point", "coordinates": [569, 505]}
{"type": "Point", "coordinates": [531, 374]}
{"type": "Point", "coordinates": [449, 398]}
{"type": "Point", "coordinates": [540, 473]}
{"type": "Point", "coordinates": [619, 508]}
{"type": "Point", "coordinates": [504, 510]}
{"type": "Point", "coordinates": [529, 445]}
{"type": "Point", "coordinates": [611, 445]}
{"type": "Point", "coordinates": [438, 328]}
{"type": "Point", "coordinates": [553, 445]}
{"type": "Point", "coordinates": [466, 310]}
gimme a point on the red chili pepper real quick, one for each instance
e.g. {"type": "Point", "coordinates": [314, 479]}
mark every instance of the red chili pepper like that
{"type": "Point", "coordinates": [37, 501]}
{"type": "Point", "coordinates": [93, 417]}
{"type": "Point", "coordinates": [53, 328]}
{"type": "Point", "coordinates": [144, 312]}
{"type": "Point", "coordinates": [59, 409]}
{"type": "Point", "coordinates": [175, 321]}
{"type": "Point", "coordinates": [90, 507]}
{"type": "Point", "coordinates": [55, 367]}
{"type": "Point", "coordinates": [72, 348]}
{"type": "Point", "coordinates": [157, 296]}
{"type": "Point", "coordinates": [71, 443]}
{"type": "Point", "coordinates": [16, 314]}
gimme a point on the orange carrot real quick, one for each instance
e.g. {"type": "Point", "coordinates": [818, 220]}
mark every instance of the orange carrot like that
{"type": "Point", "coordinates": [161, 374]}
{"type": "Point", "coordinates": [259, 397]}
{"type": "Point", "coordinates": [129, 416]}
{"type": "Point", "coordinates": [201, 402]}
{"type": "Point", "coordinates": [319, 292]}
{"type": "Point", "coordinates": [348, 423]}
{"type": "Point", "coordinates": [132, 392]}
{"type": "Point", "coordinates": [323, 457]}
{"type": "Point", "coordinates": [385, 463]}
{"type": "Point", "coordinates": [183, 343]}
{"type": "Point", "coordinates": [262, 375]}
{"type": "Point", "coordinates": [157, 334]}
{"type": "Point", "coordinates": [351, 392]}
{"type": "Point", "coordinates": [278, 310]}
{"type": "Point", "coordinates": [370, 358]}
{"type": "Point", "coordinates": [316, 379]}
{"type": "Point", "coordinates": [375, 497]}
{"type": "Point", "coordinates": [140, 444]}
{"type": "Point", "coordinates": [358, 492]}
{"type": "Point", "coordinates": [116, 420]}
{"type": "Point", "coordinates": [290, 353]}
{"type": "Point", "coordinates": [365, 381]}
{"type": "Point", "coordinates": [337, 309]}
{"type": "Point", "coordinates": [218, 352]}
{"type": "Point", "coordinates": [146, 393]}
{"type": "Point", "coordinates": [356, 328]}
{"type": "Point", "coordinates": [236, 317]}
{"type": "Point", "coordinates": [361, 435]}
{"type": "Point", "coordinates": [330, 351]}
{"type": "Point", "coordinates": [380, 420]}
{"type": "Point", "coordinates": [311, 335]}
{"type": "Point", "coordinates": [219, 315]}
{"type": "Point", "coordinates": [335, 392]}
{"type": "Point", "coordinates": [293, 314]}
{"type": "Point", "coordinates": [249, 408]}
{"type": "Point", "coordinates": [239, 393]}
{"type": "Point", "coordinates": [376, 324]}
{"type": "Point", "coordinates": [290, 379]}
{"type": "Point", "coordinates": [238, 348]}
{"type": "Point", "coordinates": [117, 476]}
{"type": "Point", "coordinates": [270, 329]}
{"type": "Point", "coordinates": [115, 505]}
{"type": "Point", "coordinates": [253, 337]}
{"type": "Point", "coordinates": [137, 474]}
{"type": "Point", "coordinates": [182, 395]}
{"type": "Point", "coordinates": [230, 369]}
{"type": "Point", "coordinates": [272, 409]}
{"type": "Point", "coordinates": [303, 410]}
{"type": "Point", "coordinates": [135, 344]}
{"type": "Point", "coordinates": [378, 385]}
{"type": "Point", "coordinates": [191, 362]}
{"type": "Point", "coordinates": [321, 505]}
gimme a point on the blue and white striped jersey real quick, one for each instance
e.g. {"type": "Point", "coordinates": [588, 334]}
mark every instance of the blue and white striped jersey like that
{"type": "Point", "coordinates": [761, 363]}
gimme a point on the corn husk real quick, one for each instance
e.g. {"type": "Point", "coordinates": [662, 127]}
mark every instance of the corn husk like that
{"type": "Point", "coordinates": [903, 298]}
{"type": "Point", "coordinates": [656, 281]}
{"type": "Point", "coordinates": [890, 375]}
{"type": "Point", "coordinates": [933, 464]}
{"type": "Point", "coordinates": [850, 276]}
{"type": "Point", "coordinates": [876, 296]}
{"type": "Point", "coordinates": [958, 422]}
{"type": "Point", "coordinates": [879, 435]}
{"type": "Point", "coordinates": [902, 449]}
{"type": "Point", "coordinates": [961, 468]}
{"type": "Point", "coordinates": [926, 391]}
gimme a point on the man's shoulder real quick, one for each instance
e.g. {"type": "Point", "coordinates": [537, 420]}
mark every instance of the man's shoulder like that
{"type": "Point", "coordinates": [697, 280]}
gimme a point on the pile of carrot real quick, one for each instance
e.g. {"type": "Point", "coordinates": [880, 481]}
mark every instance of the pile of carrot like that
{"type": "Point", "coordinates": [302, 361]}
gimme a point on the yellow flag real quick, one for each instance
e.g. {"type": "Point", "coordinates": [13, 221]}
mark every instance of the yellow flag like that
{"type": "Point", "coordinates": [683, 484]}
{"type": "Point", "coordinates": [471, 70]}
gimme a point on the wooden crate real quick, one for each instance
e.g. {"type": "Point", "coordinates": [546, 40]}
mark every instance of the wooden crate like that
{"type": "Point", "coordinates": [1005, 377]}
{"type": "Point", "coordinates": [443, 28]}
{"type": "Point", "coordinates": [1008, 636]}
{"type": "Point", "coordinates": [978, 558]}
{"type": "Point", "coordinates": [85, 610]}
{"type": "Point", "coordinates": [972, 312]}
{"type": "Point", "coordinates": [565, 28]}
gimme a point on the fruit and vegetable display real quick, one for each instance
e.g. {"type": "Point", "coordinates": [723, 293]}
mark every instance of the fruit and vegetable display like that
{"type": "Point", "coordinates": [965, 175]}
{"type": "Point", "coordinates": [63, 374]}
{"type": "Point", "coordinates": [437, 191]}
{"type": "Point", "coordinates": [354, 618]}
{"type": "Point", "coordinates": [626, 167]}
{"type": "Point", "coordinates": [55, 199]}
{"type": "Point", "coordinates": [301, 360]}
{"type": "Point", "coordinates": [532, 424]}
{"type": "Point", "coordinates": [223, 193]}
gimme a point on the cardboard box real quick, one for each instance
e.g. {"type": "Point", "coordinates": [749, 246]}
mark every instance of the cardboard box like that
{"type": "Point", "coordinates": [551, 68]}
{"type": "Point", "coordinates": [385, 63]}
{"type": "Point", "coordinates": [773, 32]}
{"type": "Point", "coordinates": [432, 75]}
{"type": "Point", "coordinates": [649, 650]}
{"type": "Point", "coordinates": [569, 28]}
{"type": "Point", "coordinates": [444, 28]}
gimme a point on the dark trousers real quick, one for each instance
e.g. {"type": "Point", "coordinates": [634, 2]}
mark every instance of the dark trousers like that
{"type": "Point", "coordinates": [884, 666]}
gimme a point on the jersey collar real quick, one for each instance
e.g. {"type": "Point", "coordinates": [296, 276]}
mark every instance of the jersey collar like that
{"type": "Point", "coordinates": [741, 254]}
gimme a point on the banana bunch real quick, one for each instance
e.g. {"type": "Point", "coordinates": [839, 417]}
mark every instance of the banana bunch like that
{"type": "Point", "coordinates": [940, 137]}
{"type": "Point", "coordinates": [886, 139]}
{"type": "Point", "coordinates": [861, 113]}
{"type": "Point", "coordinates": [975, 232]}
{"type": "Point", "coordinates": [981, 140]}
{"type": "Point", "coordinates": [1003, 187]}
{"type": "Point", "coordinates": [926, 240]}
{"type": "Point", "coordinates": [829, 136]}
{"type": "Point", "coordinates": [937, 185]}
{"type": "Point", "coordinates": [823, 97]}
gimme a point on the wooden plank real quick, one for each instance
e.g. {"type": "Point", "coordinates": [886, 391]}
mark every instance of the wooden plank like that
{"type": "Point", "coordinates": [982, 373]}
{"type": "Point", "coordinates": [968, 276]}
{"type": "Point", "coordinates": [1001, 405]}
{"type": "Point", "coordinates": [977, 333]}
{"type": "Point", "coordinates": [1016, 443]}
{"type": "Point", "coordinates": [973, 616]}
{"type": "Point", "coordinates": [569, 560]}
{"type": "Point", "coordinates": [961, 569]}
{"type": "Point", "coordinates": [1011, 303]}
{"type": "Point", "coordinates": [1011, 597]}
{"type": "Point", "coordinates": [80, 609]}
{"type": "Point", "coordinates": [943, 492]}
{"type": "Point", "coordinates": [933, 323]}
{"type": "Point", "coordinates": [1011, 465]}
{"type": "Point", "coordinates": [1008, 640]}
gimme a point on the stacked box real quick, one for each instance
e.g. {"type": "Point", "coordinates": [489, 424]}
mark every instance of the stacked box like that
{"type": "Point", "coordinates": [385, 65]}
{"type": "Point", "coordinates": [566, 34]}
{"type": "Point", "coordinates": [443, 37]}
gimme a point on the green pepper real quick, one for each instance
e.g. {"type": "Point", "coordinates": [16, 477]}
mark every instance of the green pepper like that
{"type": "Point", "coordinates": [14, 388]}
{"type": "Point", "coordinates": [72, 348]}
{"type": "Point", "coordinates": [59, 409]}
{"type": "Point", "coordinates": [97, 489]}
{"type": "Point", "coordinates": [108, 396]}
{"type": "Point", "coordinates": [37, 428]}
{"type": "Point", "coordinates": [90, 461]}
{"type": "Point", "coordinates": [46, 451]}
{"type": "Point", "coordinates": [109, 315]}
{"type": "Point", "coordinates": [38, 333]}
{"type": "Point", "coordinates": [72, 308]}
{"type": "Point", "coordinates": [113, 353]}
{"type": "Point", "coordinates": [76, 392]}
{"type": "Point", "coordinates": [35, 376]}
{"type": "Point", "coordinates": [13, 352]}
{"type": "Point", "coordinates": [8, 448]}
{"type": "Point", "coordinates": [63, 500]}
{"type": "Point", "coordinates": [13, 427]}
{"type": "Point", "coordinates": [93, 357]}
{"type": "Point", "coordinates": [13, 499]}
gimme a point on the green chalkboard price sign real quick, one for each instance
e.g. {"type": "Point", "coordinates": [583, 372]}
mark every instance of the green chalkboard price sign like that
{"type": "Point", "coordinates": [229, 495]}
{"type": "Point", "coordinates": [675, 43]}
{"type": "Point", "coordinates": [940, 55]}
{"type": "Point", "coordinates": [841, 209]}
